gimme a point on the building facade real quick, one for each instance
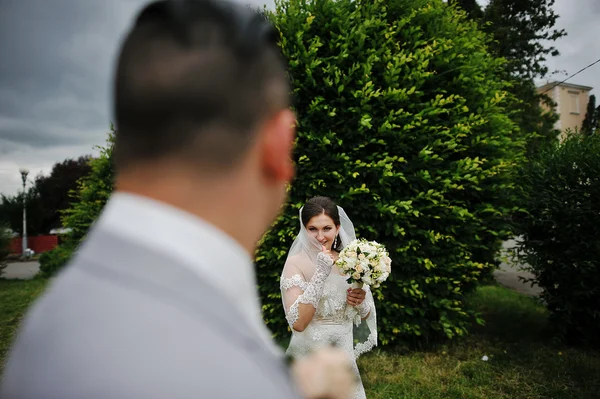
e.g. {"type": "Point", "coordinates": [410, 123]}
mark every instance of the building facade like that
{"type": "Point", "coordinates": [571, 103]}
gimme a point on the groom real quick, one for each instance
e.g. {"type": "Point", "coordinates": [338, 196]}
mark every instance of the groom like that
{"type": "Point", "coordinates": [160, 301]}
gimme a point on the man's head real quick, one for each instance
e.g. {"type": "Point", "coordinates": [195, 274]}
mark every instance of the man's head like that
{"type": "Point", "coordinates": [202, 95]}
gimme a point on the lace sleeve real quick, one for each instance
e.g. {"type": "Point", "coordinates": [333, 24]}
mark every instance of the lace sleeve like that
{"type": "Point", "coordinates": [296, 290]}
{"type": "Point", "coordinates": [291, 288]}
{"type": "Point", "coordinates": [366, 325]}
{"type": "Point", "coordinates": [367, 306]}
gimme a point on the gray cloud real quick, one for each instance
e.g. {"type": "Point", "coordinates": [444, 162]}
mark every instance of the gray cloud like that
{"type": "Point", "coordinates": [57, 59]}
{"type": "Point", "coordinates": [55, 74]}
{"type": "Point", "coordinates": [54, 80]}
{"type": "Point", "coordinates": [581, 46]}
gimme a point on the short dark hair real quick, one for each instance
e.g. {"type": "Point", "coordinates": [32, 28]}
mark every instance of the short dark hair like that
{"type": "Point", "coordinates": [321, 205]}
{"type": "Point", "coordinates": [194, 80]}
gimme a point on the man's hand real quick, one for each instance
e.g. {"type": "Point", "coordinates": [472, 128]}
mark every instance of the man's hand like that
{"type": "Point", "coordinates": [325, 374]}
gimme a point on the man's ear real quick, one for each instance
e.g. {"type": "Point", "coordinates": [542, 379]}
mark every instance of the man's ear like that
{"type": "Point", "coordinates": [277, 145]}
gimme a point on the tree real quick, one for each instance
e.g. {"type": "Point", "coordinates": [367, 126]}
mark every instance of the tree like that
{"type": "Point", "coordinates": [560, 234]}
{"type": "Point", "coordinates": [591, 123]}
{"type": "Point", "coordinates": [46, 199]}
{"type": "Point", "coordinates": [54, 190]}
{"type": "Point", "coordinates": [472, 8]}
{"type": "Point", "coordinates": [11, 212]}
{"type": "Point", "coordinates": [402, 119]}
{"type": "Point", "coordinates": [523, 33]}
{"type": "Point", "coordinates": [5, 238]}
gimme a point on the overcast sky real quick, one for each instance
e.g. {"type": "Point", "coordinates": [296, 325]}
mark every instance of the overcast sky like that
{"type": "Point", "coordinates": [56, 61]}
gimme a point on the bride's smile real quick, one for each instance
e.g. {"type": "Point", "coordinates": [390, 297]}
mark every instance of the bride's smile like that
{"type": "Point", "coordinates": [323, 229]}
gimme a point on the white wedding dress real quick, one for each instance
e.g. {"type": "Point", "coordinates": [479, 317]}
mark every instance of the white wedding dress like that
{"type": "Point", "coordinates": [335, 322]}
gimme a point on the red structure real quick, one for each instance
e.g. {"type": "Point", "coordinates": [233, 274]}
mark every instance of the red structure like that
{"type": "Point", "coordinates": [38, 244]}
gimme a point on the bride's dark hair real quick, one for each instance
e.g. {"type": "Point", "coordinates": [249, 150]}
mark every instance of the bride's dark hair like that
{"type": "Point", "coordinates": [322, 205]}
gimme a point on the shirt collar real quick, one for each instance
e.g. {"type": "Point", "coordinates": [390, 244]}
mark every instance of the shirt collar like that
{"type": "Point", "coordinates": [209, 251]}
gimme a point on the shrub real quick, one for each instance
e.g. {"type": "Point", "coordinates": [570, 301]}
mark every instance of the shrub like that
{"type": "Point", "coordinates": [560, 241]}
{"type": "Point", "coordinates": [5, 237]}
{"type": "Point", "coordinates": [401, 118]}
{"type": "Point", "coordinates": [90, 197]}
{"type": "Point", "coordinates": [53, 261]}
{"type": "Point", "coordinates": [92, 194]}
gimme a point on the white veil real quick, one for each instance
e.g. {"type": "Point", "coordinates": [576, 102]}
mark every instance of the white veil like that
{"type": "Point", "coordinates": [308, 247]}
{"type": "Point", "coordinates": [300, 266]}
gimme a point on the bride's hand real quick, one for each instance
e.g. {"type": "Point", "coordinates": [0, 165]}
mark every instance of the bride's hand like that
{"type": "Point", "coordinates": [355, 296]}
{"type": "Point", "coordinates": [327, 252]}
{"type": "Point", "coordinates": [324, 262]}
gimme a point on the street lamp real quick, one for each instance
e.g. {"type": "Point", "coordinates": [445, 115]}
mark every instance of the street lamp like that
{"type": "Point", "coordinates": [24, 173]}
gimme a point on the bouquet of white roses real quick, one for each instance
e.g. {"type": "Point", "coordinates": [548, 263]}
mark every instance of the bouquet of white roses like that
{"type": "Point", "coordinates": [365, 262]}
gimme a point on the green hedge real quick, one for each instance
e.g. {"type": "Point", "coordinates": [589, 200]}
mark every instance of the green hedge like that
{"type": "Point", "coordinates": [561, 231]}
{"type": "Point", "coordinates": [402, 120]}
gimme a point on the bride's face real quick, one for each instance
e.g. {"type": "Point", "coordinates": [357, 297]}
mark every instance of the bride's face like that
{"type": "Point", "coordinates": [323, 229]}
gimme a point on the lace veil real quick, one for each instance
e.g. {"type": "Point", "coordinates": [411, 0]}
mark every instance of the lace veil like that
{"type": "Point", "coordinates": [300, 266]}
{"type": "Point", "coordinates": [307, 246]}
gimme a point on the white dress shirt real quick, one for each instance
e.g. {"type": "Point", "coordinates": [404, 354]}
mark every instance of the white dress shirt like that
{"type": "Point", "coordinates": [211, 253]}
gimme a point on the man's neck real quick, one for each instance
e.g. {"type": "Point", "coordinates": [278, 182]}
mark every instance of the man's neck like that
{"type": "Point", "coordinates": [226, 204]}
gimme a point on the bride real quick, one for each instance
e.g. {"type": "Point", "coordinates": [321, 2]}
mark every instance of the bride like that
{"type": "Point", "coordinates": [320, 306]}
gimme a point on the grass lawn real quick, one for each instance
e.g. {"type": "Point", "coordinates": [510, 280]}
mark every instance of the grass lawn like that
{"type": "Point", "coordinates": [523, 364]}
{"type": "Point", "coordinates": [15, 298]}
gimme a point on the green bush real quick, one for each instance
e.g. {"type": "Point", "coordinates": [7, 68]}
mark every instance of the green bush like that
{"type": "Point", "coordinates": [401, 118]}
{"type": "Point", "coordinates": [561, 233]}
{"type": "Point", "coordinates": [92, 193]}
{"type": "Point", "coordinates": [89, 199]}
{"type": "Point", "coordinates": [53, 261]}
{"type": "Point", "coordinates": [5, 238]}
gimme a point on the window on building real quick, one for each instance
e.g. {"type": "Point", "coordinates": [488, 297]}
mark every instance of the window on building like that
{"type": "Point", "coordinates": [574, 102]}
